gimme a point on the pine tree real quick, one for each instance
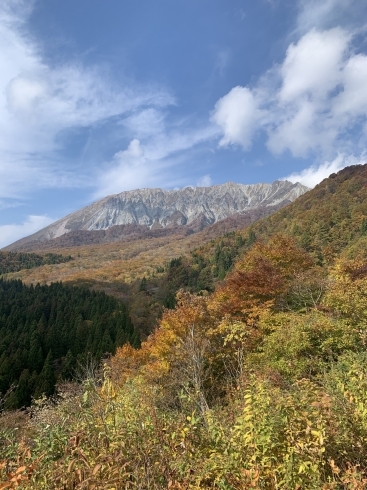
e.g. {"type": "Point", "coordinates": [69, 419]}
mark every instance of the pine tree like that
{"type": "Point", "coordinates": [107, 344]}
{"type": "Point", "coordinates": [143, 284]}
{"type": "Point", "coordinates": [23, 391]}
{"type": "Point", "coordinates": [68, 365]}
{"type": "Point", "coordinates": [251, 238]}
{"type": "Point", "coordinates": [35, 359]}
{"type": "Point", "coordinates": [46, 380]}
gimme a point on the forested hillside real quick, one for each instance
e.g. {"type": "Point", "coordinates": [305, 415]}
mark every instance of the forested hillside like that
{"type": "Point", "coordinates": [327, 221]}
{"type": "Point", "coordinates": [255, 379]}
{"type": "Point", "coordinates": [260, 385]}
{"type": "Point", "coordinates": [46, 330]}
{"type": "Point", "coordinates": [16, 261]}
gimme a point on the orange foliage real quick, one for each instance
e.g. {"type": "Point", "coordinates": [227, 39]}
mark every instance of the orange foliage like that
{"type": "Point", "coordinates": [127, 361]}
{"type": "Point", "coordinates": [163, 345]}
{"type": "Point", "coordinates": [260, 277]}
{"type": "Point", "coordinates": [122, 261]}
{"type": "Point", "coordinates": [230, 316]}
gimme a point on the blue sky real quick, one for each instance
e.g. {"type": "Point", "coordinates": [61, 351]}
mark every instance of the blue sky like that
{"type": "Point", "coordinates": [97, 97]}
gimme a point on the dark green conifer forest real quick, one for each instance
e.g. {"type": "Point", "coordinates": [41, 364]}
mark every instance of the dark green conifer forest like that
{"type": "Point", "coordinates": [16, 261]}
{"type": "Point", "coordinates": [46, 330]}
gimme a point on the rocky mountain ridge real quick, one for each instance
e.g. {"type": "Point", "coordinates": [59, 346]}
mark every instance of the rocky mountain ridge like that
{"type": "Point", "coordinates": [154, 209]}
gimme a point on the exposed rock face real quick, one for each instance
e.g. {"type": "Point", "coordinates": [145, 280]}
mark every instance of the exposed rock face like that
{"type": "Point", "coordinates": [158, 208]}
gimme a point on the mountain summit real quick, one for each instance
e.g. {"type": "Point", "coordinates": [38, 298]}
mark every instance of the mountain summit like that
{"type": "Point", "coordinates": [157, 208]}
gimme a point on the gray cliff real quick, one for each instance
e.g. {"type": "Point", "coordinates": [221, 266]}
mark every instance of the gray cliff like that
{"type": "Point", "coordinates": [156, 208]}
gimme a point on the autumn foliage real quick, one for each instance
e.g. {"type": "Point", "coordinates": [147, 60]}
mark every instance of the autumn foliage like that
{"type": "Point", "coordinates": [261, 384]}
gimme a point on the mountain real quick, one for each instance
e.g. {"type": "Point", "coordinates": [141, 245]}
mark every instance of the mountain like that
{"type": "Point", "coordinates": [156, 209]}
{"type": "Point", "coordinates": [132, 232]}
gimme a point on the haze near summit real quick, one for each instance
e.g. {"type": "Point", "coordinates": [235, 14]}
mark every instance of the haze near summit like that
{"type": "Point", "coordinates": [98, 98]}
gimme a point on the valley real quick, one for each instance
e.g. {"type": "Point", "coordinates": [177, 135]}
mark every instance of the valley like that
{"type": "Point", "coordinates": [212, 338]}
{"type": "Point", "coordinates": [183, 245]}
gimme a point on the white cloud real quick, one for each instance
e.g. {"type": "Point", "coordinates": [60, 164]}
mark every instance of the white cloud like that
{"type": "Point", "coordinates": [128, 170]}
{"type": "Point", "coordinates": [302, 117]}
{"type": "Point", "coordinates": [312, 67]}
{"type": "Point", "coordinates": [13, 232]}
{"type": "Point", "coordinates": [316, 173]}
{"type": "Point", "coordinates": [71, 96]}
{"type": "Point", "coordinates": [38, 102]}
{"type": "Point", "coordinates": [146, 123]}
{"type": "Point", "coordinates": [312, 103]}
{"type": "Point", "coordinates": [237, 114]}
{"type": "Point", "coordinates": [296, 131]}
{"type": "Point", "coordinates": [136, 168]}
{"type": "Point", "coordinates": [313, 13]}
{"type": "Point", "coordinates": [205, 181]}
{"type": "Point", "coordinates": [152, 163]}
{"type": "Point", "coordinates": [353, 99]}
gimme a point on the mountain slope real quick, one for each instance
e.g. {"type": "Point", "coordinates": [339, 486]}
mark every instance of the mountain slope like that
{"type": "Point", "coordinates": [132, 232]}
{"type": "Point", "coordinates": [328, 220]}
{"type": "Point", "coordinates": [154, 209]}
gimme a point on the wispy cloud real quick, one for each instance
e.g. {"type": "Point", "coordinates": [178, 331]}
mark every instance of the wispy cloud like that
{"type": "Point", "coordinates": [13, 232]}
{"type": "Point", "coordinates": [222, 60]}
{"type": "Point", "coordinates": [330, 13]}
{"type": "Point", "coordinates": [204, 181]}
{"type": "Point", "coordinates": [9, 204]}
{"type": "Point", "coordinates": [156, 162]}
{"type": "Point", "coordinates": [41, 106]}
{"type": "Point", "coordinates": [38, 102]}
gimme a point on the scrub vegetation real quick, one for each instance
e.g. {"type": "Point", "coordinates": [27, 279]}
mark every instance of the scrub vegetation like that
{"type": "Point", "coordinates": [254, 377]}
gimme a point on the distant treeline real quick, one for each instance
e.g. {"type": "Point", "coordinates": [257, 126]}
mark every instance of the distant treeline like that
{"type": "Point", "coordinates": [16, 261]}
{"type": "Point", "coordinates": [46, 330]}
